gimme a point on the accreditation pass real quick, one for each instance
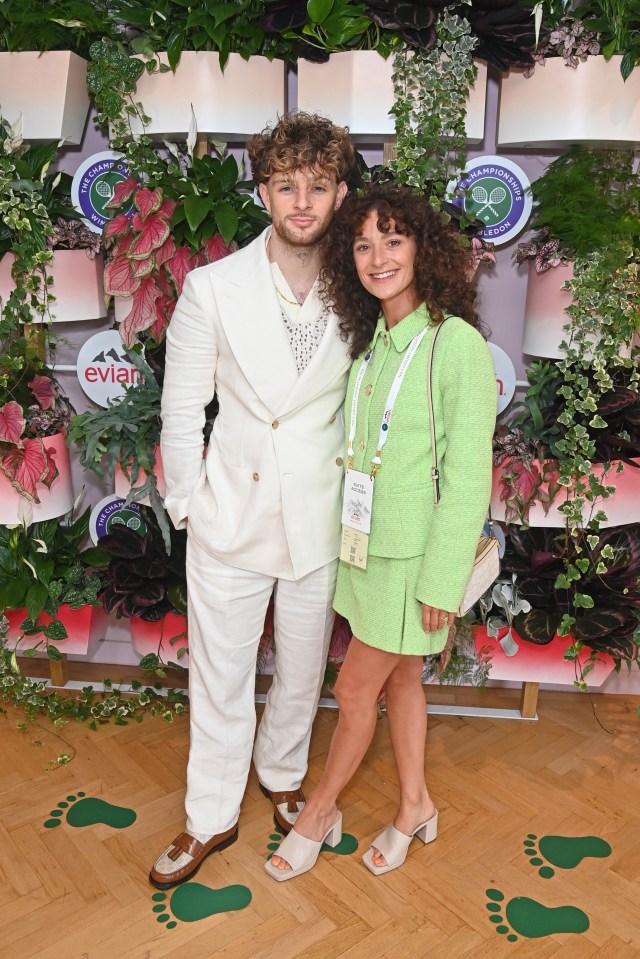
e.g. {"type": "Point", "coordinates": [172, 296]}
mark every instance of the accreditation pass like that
{"type": "Point", "coordinates": [356, 517]}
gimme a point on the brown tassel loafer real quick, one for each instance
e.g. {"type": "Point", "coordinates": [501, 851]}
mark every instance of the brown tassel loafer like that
{"type": "Point", "coordinates": [285, 804]}
{"type": "Point", "coordinates": [196, 852]}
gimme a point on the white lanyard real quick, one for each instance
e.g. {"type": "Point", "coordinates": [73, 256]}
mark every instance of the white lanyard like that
{"type": "Point", "coordinates": [391, 398]}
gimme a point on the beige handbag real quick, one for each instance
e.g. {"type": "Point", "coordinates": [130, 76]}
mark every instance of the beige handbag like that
{"type": "Point", "coordinates": [486, 566]}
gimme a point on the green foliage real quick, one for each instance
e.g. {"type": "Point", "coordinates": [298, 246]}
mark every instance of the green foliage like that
{"type": "Point", "coordinates": [41, 567]}
{"type": "Point", "coordinates": [431, 90]}
{"type": "Point", "coordinates": [617, 23]}
{"type": "Point", "coordinates": [589, 200]}
{"type": "Point", "coordinates": [53, 24]}
{"type": "Point", "coordinates": [95, 708]}
{"type": "Point", "coordinates": [175, 25]}
{"type": "Point", "coordinates": [126, 433]}
{"type": "Point", "coordinates": [211, 198]}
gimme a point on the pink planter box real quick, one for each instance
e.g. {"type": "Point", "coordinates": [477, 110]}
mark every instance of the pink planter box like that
{"type": "Point", "coordinates": [622, 507]}
{"type": "Point", "coordinates": [81, 625]}
{"type": "Point", "coordinates": [155, 637]}
{"type": "Point", "coordinates": [53, 502]}
{"type": "Point", "coordinates": [539, 664]}
{"type": "Point", "coordinates": [77, 286]}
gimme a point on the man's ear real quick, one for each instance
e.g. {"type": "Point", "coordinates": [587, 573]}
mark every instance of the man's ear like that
{"type": "Point", "coordinates": [264, 196]}
{"type": "Point", "coordinates": [342, 192]}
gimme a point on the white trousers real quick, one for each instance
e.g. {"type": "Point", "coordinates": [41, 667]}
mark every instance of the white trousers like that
{"type": "Point", "coordinates": [227, 608]}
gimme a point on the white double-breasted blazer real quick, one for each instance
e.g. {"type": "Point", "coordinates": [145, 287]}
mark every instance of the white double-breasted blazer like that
{"type": "Point", "coordinates": [267, 496]}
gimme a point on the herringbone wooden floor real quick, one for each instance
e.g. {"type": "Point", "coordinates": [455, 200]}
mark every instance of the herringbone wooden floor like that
{"type": "Point", "coordinates": [82, 893]}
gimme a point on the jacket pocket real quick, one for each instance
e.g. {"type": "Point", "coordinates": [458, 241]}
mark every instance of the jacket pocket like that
{"type": "Point", "coordinates": [401, 522]}
{"type": "Point", "coordinates": [218, 503]}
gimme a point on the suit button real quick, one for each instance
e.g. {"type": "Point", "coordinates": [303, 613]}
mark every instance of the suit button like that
{"type": "Point", "coordinates": [368, 389]}
{"type": "Point", "coordinates": [256, 477]}
{"type": "Point", "coordinates": [275, 425]}
{"type": "Point", "coordinates": [339, 461]}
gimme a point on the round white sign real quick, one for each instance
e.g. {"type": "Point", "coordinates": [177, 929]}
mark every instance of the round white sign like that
{"type": "Point", "coordinates": [497, 194]}
{"type": "Point", "coordinates": [104, 369]}
{"type": "Point", "coordinates": [111, 511]}
{"type": "Point", "coordinates": [505, 376]}
{"type": "Point", "coordinates": [93, 185]}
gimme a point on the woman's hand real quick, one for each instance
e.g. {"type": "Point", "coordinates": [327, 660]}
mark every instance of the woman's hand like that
{"type": "Point", "coordinates": [433, 620]}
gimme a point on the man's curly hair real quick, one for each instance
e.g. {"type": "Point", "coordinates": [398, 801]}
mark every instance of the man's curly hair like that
{"type": "Point", "coordinates": [301, 140]}
{"type": "Point", "coordinates": [442, 270]}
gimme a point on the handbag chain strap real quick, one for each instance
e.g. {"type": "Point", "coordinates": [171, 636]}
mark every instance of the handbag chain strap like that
{"type": "Point", "coordinates": [435, 472]}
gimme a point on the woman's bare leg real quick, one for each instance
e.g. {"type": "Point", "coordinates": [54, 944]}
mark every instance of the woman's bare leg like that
{"type": "Point", "coordinates": [407, 717]}
{"type": "Point", "coordinates": [363, 674]}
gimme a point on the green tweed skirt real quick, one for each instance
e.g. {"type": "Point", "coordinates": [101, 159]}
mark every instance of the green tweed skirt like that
{"type": "Point", "coordinates": [381, 606]}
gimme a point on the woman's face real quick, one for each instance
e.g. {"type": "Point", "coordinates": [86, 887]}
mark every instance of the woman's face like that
{"type": "Point", "coordinates": [384, 262]}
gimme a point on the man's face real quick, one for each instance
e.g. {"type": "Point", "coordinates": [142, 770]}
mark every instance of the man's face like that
{"type": "Point", "coordinates": [301, 204]}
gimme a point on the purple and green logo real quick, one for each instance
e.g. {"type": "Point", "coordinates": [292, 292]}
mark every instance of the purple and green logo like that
{"type": "Point", "coordinates": [93, 186]}
{"type": "Point", "coordinates": [496, 192]}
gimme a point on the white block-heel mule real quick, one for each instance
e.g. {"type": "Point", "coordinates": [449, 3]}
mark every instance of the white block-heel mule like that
{"type": "Point", "coordinates": [394, 845]}
{"type": "Point", "coordinates": [302, 853]}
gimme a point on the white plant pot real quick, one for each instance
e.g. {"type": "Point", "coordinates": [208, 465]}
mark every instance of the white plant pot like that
{"type": "Point", "coordinates": [545, 313]}
{"type": "Point", "coordinates": [355, 89]}
{"type": "Point", "coordinates": [77, 286]}
{"type": "Point", "coordinates": [54, 502]}
{"type": "Point", "coordinates": [558, 106]}
{"type": "Point", "coordinates": [234, 103]}
{"type": "Point", "coordinates": [49, 90]}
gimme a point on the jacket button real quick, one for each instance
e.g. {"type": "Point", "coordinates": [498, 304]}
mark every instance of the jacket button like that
{"type": "Point", "coordinates": [368, 389]}
{"type": "Point", "coordinates": [275, 425]}
{"type": "Point", "coordinates": [339, 461]}
{"type": "Point", "coordinates": [256, 477]}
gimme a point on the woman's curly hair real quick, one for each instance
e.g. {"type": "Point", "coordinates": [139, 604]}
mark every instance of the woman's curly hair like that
{"type": "Point", "coordinates": [442, 270]}
{"type": "Point", "coordinates": [301, 140]}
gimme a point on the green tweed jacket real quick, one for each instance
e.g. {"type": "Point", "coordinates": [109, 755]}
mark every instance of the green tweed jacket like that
{"type": "Point", "coordinates": [405, 522]}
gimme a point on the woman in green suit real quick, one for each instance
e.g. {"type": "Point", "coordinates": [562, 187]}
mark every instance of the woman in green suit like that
{"type": "Point", "coordinates": [395, 271]}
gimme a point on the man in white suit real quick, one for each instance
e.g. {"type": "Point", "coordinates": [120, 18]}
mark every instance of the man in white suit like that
{"type": "Point", "coordinates": [263, 508]}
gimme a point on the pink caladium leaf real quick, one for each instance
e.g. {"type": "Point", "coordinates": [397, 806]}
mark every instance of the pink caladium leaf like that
{"type": "Point", "coordinates": [154, 233]}
{"type": "Point", "coordinates": [215, 249]}
{"type": "Point", "coordinates": [165, 252]}
{"type": "Point", "coordinates": [12, 422]}
{"type": "Point", "coordinates": [159, 326]}
{"type": "Point", "coordinates": [520, 485]}
{"type": "Point", "coordinates": [118, 278]}
{"type": "Point", "coordinates": [143, 312]}
{"type": "Point", "coordinates": [143, 267]}
{"type": "Point", "coordinates": [178, 266]}
{"type": "Point", "coordinates": [116, 227]}
{"type": "Point", "coordinates": [123, 191]}
{"type": "Point", "coordinates": [52, 472]}
{"type": "Point", "coordinates": [44, 391]}
{"type": "Point", "coordinates": [147, 201]}
{"type": "Point", "coordinates": [25, 467]}
{"type": "Point", "coordinates": [167, 208]}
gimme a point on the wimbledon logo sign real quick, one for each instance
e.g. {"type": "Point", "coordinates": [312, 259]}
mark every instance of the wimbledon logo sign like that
{"type": "Point", "coordinates": [93, 185]}
{"type": "Point", "coordinates": [496, 194]}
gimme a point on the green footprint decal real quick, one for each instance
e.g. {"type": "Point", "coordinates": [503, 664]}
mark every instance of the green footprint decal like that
{"type": "Point", "coordinates": [193, 901]}
{"type": "Point", "coordinates": [85, 811]}
{"type": "Point", "coordinates": [347, 845]}
{"type": "Point", "coordinates": [531, 919]}
{"type": "Point", "coordinates": [566, 852]}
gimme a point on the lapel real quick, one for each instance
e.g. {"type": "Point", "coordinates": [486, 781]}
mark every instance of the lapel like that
{"type": "Point", "coordinates": [250, 316]}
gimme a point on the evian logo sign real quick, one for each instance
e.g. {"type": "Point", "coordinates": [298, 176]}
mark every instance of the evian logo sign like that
{"type": "Point", "coordinates": [104, 369]}
{"type": "Point", "coordinates": [93, 186]}
{"type": "Point", "coordinates": [505, 376]}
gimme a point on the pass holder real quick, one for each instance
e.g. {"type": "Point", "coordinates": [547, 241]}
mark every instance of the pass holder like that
{"type": "Point", "coordinates": [357, 506]}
